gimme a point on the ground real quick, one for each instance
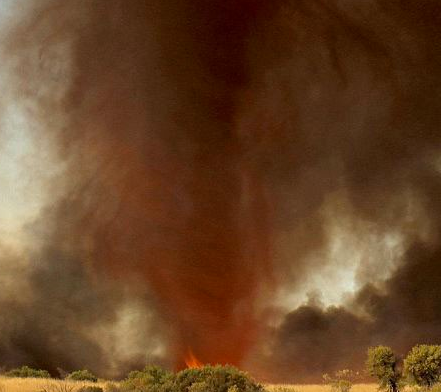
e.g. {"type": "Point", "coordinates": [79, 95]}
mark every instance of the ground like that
{"type": "Point", "coordinates": [37, 385]}
{"type": "Point", "coordinates": [41, 385]}
{"type": "Point", "coordinates": [318, 388]}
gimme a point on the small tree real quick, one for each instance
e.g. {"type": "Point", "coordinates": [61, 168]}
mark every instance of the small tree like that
{"type": "Point", "coordinates": [382, 364]}
{"type": "Point", "coordinates": [423, 364]}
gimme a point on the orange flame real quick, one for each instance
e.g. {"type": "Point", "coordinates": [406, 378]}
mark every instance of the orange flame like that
{"type": "Point", "coordinates": [191, 361]}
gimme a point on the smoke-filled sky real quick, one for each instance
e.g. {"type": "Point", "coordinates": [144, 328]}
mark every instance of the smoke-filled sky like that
{"type": "Point", "coordinates": [253, 182]}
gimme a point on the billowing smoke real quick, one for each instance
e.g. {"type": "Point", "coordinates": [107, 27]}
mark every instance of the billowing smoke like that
{"type": "Point", "coordinates": [352, 91]}
{"type": "Point", "coordinates": [212, 155]}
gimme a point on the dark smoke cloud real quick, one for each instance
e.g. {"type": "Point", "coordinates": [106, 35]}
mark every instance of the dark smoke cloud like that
{"type": "Point", "coordinates": [313, 340]}
{"type": "Point", "coordinates": [352, 90]}
{"type": "Point", "coordinates": [203, 143]}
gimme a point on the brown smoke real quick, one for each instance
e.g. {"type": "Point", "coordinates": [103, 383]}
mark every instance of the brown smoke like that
{"type": "Point", "coordinates": [163, 192]}
{"type": "Point", "coordinates": [203, 141]}
{"type": "Point", "coordinates": [158, 108]}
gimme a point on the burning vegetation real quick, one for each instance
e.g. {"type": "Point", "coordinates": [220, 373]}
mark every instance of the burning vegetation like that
{"type": "Point", "coordinates": [192, 362]}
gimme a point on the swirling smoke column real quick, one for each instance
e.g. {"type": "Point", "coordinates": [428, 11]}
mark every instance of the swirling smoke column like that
{"type": "Point", "coordinates": [209, 146]}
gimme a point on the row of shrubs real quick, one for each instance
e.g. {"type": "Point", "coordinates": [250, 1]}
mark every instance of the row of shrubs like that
{"type": "Point", "coordinates": [421, 367]}
{"type": "Point", "coordinates": [155, 379]}
{"type": "Point", "coordinates": [27, 372]}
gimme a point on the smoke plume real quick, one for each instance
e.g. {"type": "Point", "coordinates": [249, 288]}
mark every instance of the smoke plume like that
{"type": "Point", "coordinates": [208, 154]}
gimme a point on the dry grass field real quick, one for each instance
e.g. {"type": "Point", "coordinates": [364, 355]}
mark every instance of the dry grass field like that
{"type": "Point", "coordinates": [41, 385]}
{"type": "Point", "coordinates": [318, 388]}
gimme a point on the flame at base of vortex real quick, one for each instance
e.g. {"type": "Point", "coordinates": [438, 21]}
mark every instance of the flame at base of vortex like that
{"type": "Point", "coordinates": [192, 362]}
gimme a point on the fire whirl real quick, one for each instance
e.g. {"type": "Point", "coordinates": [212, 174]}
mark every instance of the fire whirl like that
{"type": "Point", "coordinates": [203, 167]}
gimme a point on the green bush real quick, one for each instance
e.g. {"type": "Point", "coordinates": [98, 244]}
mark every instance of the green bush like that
{"type": "Point", "coordinates": [90, 389]}
{"type": "Point", "coordinates": [423, 365]}
{"type": "Point", "coordinates": [151, 379]}
{"type": "Point", "coordinates": [382, 364]}
{"type": "Point", "coordinates": [82, 375]}
{"type": "Point", "coordinates": [206, 379]}
{"type": "Point", "coordinates": [27, 372]}
{"type": "Point", "coordinates": [217, 379]}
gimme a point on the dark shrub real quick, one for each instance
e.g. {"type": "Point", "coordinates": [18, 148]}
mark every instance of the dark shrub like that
{"type": "Point", "coordinates": [27, 372]}
{"type": "Point", "coordinates": [82, 375]}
